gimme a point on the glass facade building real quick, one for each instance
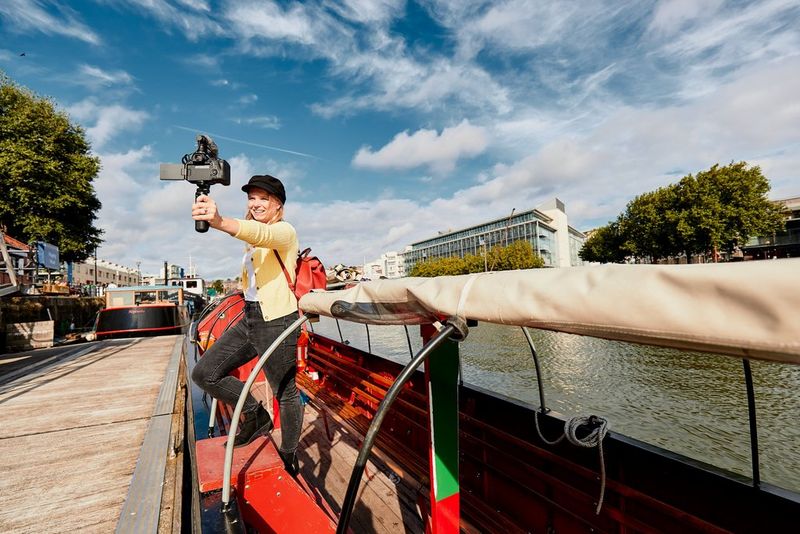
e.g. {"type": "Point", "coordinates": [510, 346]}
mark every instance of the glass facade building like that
{"type": "Point", "coordinates": [544, 228]}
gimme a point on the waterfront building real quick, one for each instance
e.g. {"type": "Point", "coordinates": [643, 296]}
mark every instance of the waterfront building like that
{"type": "Point", "coordinates": [174, 272]}
{"type": "Point", "coordinates": [546, 228]}
{"type": "Point", "coordinates": [231, 285]}
{"type": "Point", "coordinates": [389, 265]}
{"type": "Point", "coordinates": [102, 272]}
{"type": "Point", "coordinates": [784, 244]}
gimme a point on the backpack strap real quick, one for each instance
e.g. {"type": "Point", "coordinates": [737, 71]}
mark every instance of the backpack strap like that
{"type": "Point", "coordinates": [285, 272]}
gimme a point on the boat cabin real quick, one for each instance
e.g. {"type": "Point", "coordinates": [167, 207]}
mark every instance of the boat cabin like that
{"type": "Point", "coordinates": [142, 295]}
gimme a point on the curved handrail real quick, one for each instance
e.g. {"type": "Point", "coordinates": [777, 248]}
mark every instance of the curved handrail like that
{"type": "Point", "coordinates": [226, 474]}
{"type": "Point", "coordinates": [377, 420]}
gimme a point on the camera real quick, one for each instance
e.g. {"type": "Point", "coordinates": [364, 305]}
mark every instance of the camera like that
{"type": "Point", "coordinates": [203, 167]}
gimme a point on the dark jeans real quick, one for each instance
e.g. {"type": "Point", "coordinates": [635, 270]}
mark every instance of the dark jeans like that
{"type": "Point", "coordinates": [238, 345]}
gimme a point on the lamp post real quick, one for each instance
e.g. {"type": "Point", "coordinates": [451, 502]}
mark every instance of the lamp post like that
{"type": "Point", "coordinates": [508, 223]}
{"type": "Point", "coordinates": [482, 243]}
{"type": "Point", "coordinates": [138, 273]}
{"type": "Point", "coordinates": [95, 271]}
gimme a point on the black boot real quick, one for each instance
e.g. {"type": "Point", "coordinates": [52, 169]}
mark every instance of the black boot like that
{"type": "Point", "coordinates": [256, 423]}
{"type": "Point", "coordinates": [290, 462]}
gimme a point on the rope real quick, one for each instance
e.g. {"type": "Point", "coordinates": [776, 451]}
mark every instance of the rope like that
{"type": "Point", "coordinates": [592, 439]}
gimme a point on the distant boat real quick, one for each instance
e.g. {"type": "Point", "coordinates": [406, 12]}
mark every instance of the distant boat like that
{"type": "Point", "coordinates": [142, 311]}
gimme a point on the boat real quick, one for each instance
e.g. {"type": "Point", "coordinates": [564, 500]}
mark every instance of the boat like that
{"type": "Point", "coordinates": [141, 311]}
{"type": "Point", "coordinates": [481, 461]}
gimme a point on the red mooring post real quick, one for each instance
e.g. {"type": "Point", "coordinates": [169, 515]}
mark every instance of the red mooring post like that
{"type": "Point", "coordinates": [441, 378]}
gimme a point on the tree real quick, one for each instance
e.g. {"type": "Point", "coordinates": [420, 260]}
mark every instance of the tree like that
{"type": "Point", "coordinates": [715, 210]}
{"type": "Point", "coordinates": [647, 226]}
{"type": "Point", "coordinates": [46, 175]}
{"type": "Point", "coordinates": [724, 206]}
{"type": "Point", "coordinates": [517, 255]}
{"type": "Point", "coordinates": [218, 286]}
{"type": "Point", "coordinates": [605, 245]}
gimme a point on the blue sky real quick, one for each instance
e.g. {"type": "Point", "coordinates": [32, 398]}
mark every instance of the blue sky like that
{"type": "Point", "coordinates": [399, 119]}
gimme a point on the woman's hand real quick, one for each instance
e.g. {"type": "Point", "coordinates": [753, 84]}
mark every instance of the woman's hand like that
{"type": "Point", "coordinates": [205, 209]}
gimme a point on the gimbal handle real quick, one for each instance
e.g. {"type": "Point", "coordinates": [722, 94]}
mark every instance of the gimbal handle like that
{"type": "Point", "coordinates": [202, 189]}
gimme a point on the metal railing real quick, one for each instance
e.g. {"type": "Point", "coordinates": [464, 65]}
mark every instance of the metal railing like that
{"type": "Point", "coordinates": [226, 474]}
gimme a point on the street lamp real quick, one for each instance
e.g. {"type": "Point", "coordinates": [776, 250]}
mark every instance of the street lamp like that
{"type": "Point", "coordinates": [482, 243]}
{"type": "Point", "coordinates": [95, 271]}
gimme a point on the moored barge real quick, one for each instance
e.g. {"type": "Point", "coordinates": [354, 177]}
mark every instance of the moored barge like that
{"type": "Point", "coordinates": [142, 311]}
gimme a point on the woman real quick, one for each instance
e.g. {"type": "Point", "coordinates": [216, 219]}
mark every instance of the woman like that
{"type": "Point", "coordinates": [270, 306]}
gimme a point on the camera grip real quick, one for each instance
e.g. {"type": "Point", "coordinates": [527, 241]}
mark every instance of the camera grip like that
{"type": "Point", "coordinates": [202, 189]}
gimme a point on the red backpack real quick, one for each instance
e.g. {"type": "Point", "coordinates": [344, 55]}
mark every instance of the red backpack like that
{"type": "Point", "coordinates": [309, 273]}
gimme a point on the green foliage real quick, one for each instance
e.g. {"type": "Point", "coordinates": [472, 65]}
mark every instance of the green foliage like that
{"type": "Point", "coordinates": [517, 255]}
{"type": "Point", "coordinates": [218, 286]}
{"type": "Point", "coordinates": [46, 174]}
{"type": "Point", "coordinates": [715, 210]}
{"type": "Point", "coordinates": [605, 245]}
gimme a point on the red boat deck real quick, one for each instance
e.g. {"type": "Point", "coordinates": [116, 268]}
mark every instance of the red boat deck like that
{"type": "Point", "coordinates": [386, 504]}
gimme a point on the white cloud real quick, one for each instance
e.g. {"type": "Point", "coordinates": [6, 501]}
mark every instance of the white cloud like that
{"type": "Point", "coordinates": [198, 5]}
{"type": "Point", "coordinates": [106, 121]}
{"type": "Point", "coordinates": [370, 11]}
{"type": "Point", "coordinates": [269, 21]}
{"type": "Point", "coordinates": [380, 70]}
{"type": "Point", "coordinates": [95, 76]}
{"type": "Point", "coordinates": [248, 99]}
{"type": "Point", "coordinates": [439, 152]}
{"type": "Point", "coordinates": [671, 15]}
{"type": "Point", "coordinates": [268, 122]}
{"type": "Point", "coordinates": [195, 23]}
{"type": "Point", "coordinates": [32, 15]}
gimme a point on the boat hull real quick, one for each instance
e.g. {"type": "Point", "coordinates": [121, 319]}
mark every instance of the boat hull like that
{"type": "Point", "coordinates": [141, 321]}
{"type": "Point", "coordinates": [512, 481]}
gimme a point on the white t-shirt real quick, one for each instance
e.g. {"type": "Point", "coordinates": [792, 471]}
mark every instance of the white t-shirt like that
{"type": "Point", "coordinates": [251, 293]}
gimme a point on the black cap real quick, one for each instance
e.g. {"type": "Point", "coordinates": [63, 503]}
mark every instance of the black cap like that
{"type": "Point", "coordinates": [268, 183]}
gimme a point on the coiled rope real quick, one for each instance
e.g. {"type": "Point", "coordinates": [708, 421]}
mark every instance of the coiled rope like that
{"type": "Point", "coordinates": [592, 439]}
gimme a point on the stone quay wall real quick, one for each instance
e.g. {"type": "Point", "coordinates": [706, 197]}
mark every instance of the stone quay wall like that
{"type": "Point", "coordinates": [64, 311]}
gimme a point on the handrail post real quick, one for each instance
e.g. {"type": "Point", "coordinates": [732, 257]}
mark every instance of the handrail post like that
{"type": "Point", "coordinates": [226, 474]}
{"type": "Point", "coordinates": [751, 410]}
{"type": "Point", "coordinates": [455, 328]}
{"type": "Point", "coordinates": [442, 373]}
{"type": "Point", "coordinates": [542, 407]}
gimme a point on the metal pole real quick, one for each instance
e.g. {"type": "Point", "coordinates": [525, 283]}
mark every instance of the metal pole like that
{"type": "Point", "coordinates": [374, 427]}
{"type": "Point", "coordinates": [226, 474]}
{"type": "Point", "coordinates": [543, 408]}
{"type": "Point", "coordinates": [508, 223]}
{"type": "Point", "coordinates": [751, 409]}
{"type": "Point", "coordinates": [95, 272]}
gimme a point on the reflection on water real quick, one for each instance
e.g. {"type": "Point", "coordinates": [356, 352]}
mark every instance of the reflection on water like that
{"type": "Point", "coordinates": [691, 403]}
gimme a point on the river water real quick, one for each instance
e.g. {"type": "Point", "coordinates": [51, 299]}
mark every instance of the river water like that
{"type": "Point", "coordinates": [691, 403]}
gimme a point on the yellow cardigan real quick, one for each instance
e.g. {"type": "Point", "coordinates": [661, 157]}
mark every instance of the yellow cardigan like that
{"type": "Point", "coordinates": [274, 295]}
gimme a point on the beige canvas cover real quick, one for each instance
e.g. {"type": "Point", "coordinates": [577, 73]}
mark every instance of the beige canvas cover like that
{"type": "Point", "coordinates": [745, 309]}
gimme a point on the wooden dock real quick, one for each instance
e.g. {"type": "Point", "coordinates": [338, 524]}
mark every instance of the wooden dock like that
{"type": "Point", "coordinates": [72, 429]}
{"type": "Point", "coordinates": [90, 442]}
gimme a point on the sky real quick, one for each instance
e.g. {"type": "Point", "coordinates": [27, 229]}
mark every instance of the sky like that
{"type": "Point", "coordinates": [391, 121]}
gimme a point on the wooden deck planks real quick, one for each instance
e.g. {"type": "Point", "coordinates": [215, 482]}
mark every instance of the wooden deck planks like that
{"type": "Point", "coordinates": [70, 437]}
{"type": "Point", "coordinates": [384, 505]}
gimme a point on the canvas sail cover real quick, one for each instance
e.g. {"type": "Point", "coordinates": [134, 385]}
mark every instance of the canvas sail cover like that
{"type": "Point", "coordinates": [745, 309]}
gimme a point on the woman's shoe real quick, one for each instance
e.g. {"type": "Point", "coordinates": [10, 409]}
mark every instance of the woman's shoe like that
{"type": "Point", "coordinates": [290, 462]}
{"type": "Point", "coordinates": [256, 423]}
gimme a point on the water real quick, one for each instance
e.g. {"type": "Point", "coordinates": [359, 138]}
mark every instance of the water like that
{"type": "Point", "coordinates": [691, 403]}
